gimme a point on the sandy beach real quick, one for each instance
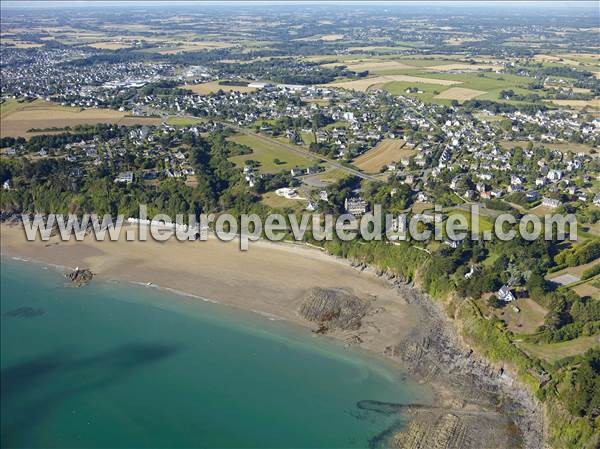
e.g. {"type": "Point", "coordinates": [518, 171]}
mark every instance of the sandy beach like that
{"type": "Point", "coordinates": [269, 278]}
{"type": "Point", "coordinates": [273, 278]}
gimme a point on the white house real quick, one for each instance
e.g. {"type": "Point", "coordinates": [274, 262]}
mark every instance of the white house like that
{"type": "Point", "coordinates": [125, 177]}
{"type": "Point", "coordinates": [355, 205]}
{"type": "Point", "coordinates": [504, 294]}
{"type": "Point", "coordinates": [550, 202]}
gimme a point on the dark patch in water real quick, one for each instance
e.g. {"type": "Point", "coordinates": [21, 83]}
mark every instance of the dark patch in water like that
{"type": "Point", "coordinates": [388, 408]}
{"type": "Point", "coordinates": [385, 408]}
{"type": "Point", "coordinates": [24, 312]}
{"type": "Point", "coordinates": [81, 375]}
{"type": "Point", "coordinates": [384, 438]}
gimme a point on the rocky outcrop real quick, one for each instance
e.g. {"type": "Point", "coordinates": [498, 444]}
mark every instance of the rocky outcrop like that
{"type": "Point", "coordinates": [80, 277]}
{"type": "Point", "coordinates": [333, 309]}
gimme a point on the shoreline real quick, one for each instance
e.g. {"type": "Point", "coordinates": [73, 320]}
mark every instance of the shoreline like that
{"type": "Point", "coordinates": [414, 334]}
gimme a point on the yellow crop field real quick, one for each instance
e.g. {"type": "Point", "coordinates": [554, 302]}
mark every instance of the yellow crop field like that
{"type": "Point", "coordinates": [19, 118]}
{"type": "Point", "coordinates": [182, 47]}
{"type": "Point", "coordinates": [386, 151]}
{"type": "Point", "coordinates": [365, 83]}
{"type": "Point", "coordinates": [332, 37]}
{"type": "Point", "coordinates": [109, 45]}
{"type": "Point", "coordinates": [465, 67]}
{"type": "Point", "coordinates": [459, 93]}
{"type": "Point", "coordinates": [375, 66]}
{"type": "Point", "coordinates": [214, 86]}
{"type": "Point", "coordinates": [579, 104]}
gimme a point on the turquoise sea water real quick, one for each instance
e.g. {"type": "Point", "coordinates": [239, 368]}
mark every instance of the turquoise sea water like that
{"type": "Point", "coordinates": [119, 365]}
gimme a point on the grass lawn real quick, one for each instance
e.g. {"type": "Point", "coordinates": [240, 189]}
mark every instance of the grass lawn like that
{"type": "Point", "coordinates": [331, 176]}
{"type": "Point", "coordinates": [429, 91]}
{"type": "Point", "coordinates": [485, 224]}
{"type": "Point", "coordinates": [564, 147]}
{"type": "Point", "coordinates": [526, 321]}
{"type": "Point", "coordinates": [419, 208]}
{"type": "Point", "coordinates": [308, 138]}
{"type": "Point", "coordinates": [589, 287]}
{"type": "Point", "coordinates": [552, 352]}
{"type": "Point", "coordinates": [265, 153]}
{"type": "Point", "coordinates": [275, 201]}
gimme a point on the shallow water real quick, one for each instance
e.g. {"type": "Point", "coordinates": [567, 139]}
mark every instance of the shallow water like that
{"type": "Point", "coordinates": [119, 365]}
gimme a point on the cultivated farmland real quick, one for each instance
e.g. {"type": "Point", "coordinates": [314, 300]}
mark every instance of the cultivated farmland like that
{"type": "Point", "coordinates": [387, 151]}
{"type": "Point", "coordinates": [20, 117]}
{"type": "Point", "coordinates": [459, 93]}
{"type": "Point", "coordinates": [214, 86]}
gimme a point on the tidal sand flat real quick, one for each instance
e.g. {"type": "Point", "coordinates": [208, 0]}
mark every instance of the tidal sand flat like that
{"type": "Point", "coordinates": [119, 365]}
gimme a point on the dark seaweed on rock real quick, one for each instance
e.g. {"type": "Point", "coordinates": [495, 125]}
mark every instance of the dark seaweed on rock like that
{"type": "Point", "coordinates": [337, 308]}
{"type": "Point", "coordinates": [24, 312]}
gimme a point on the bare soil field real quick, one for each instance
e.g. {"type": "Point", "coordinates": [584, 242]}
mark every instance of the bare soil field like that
{"type": "Point", "coordinates": [575, 272]}
{"type": "Point", "coordinates": [459, 93]}
{"type": "Point", "coordinates": [214, 86]}
{"type": "Point", "coordinates": [20, 44]}
{"type": "Point", "coordinates": [325, 38]}
{"type": "Point", "coordinates": [387, 151]}
{"type": "Point", "coordinates": [332, 37]}
{"type": "Point", "coordinates": [578, 104]}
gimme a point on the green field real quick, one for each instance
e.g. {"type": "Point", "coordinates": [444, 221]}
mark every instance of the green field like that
{"type": "Point", "coordinates": [485, 224]}
{"type": "Point", "coordinates": [429, 90]}
{"type": "Point", "coordinates": [552, 352]}
{"type": "Point", "coordinates": [265, 153]}
{"type": "Point", "coordinates": [489, 82]}
{"type": "Point", "coordinates": [184, 121]}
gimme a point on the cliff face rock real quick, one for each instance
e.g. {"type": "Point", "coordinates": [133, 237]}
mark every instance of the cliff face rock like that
{"type": "Point", "coordinates": [334, 308]}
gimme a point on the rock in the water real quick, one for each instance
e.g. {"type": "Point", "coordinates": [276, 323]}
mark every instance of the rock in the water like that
{"type": "Point", "coordinates": [334, 307]}
{"type": "Point", "coordinates": [80, 276]}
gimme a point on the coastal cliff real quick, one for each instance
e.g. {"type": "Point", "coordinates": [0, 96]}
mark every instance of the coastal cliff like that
{"type": "Point", "coordinates": [478, 404]}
